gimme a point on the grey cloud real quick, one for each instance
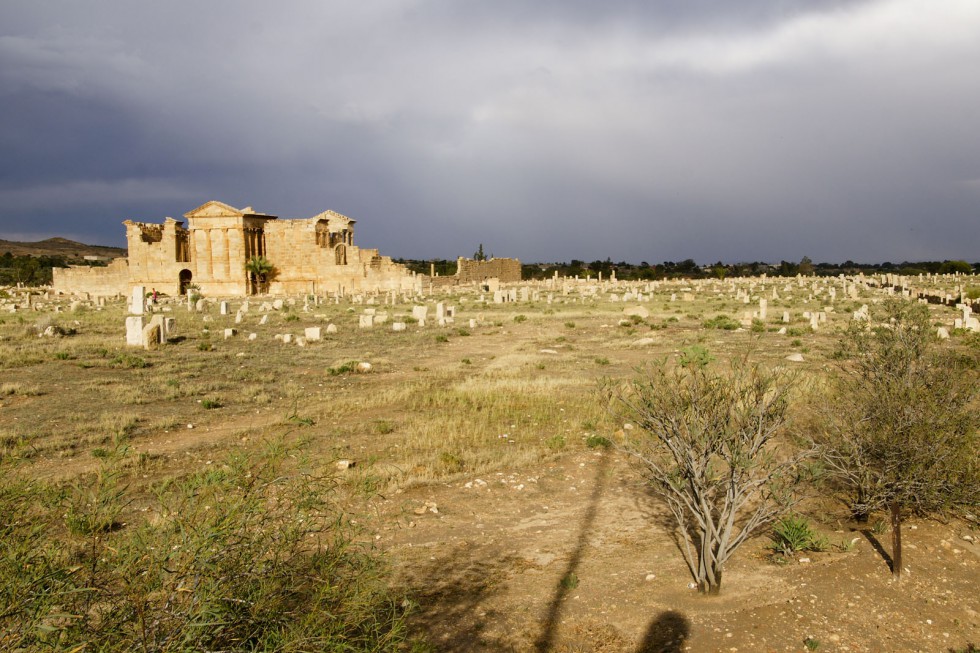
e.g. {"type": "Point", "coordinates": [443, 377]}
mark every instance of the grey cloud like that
{"type": "Point", "coordinates": [549, 130]}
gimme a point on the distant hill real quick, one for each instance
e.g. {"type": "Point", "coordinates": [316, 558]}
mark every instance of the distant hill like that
{"type": "Point", "coordinates": [68, 249]}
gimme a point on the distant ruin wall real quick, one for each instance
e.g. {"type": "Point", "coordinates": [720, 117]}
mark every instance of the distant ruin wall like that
{"type": "Point", "coordinates": [505, 269]}
{"type": "Point", "coordinates": [96, 281]}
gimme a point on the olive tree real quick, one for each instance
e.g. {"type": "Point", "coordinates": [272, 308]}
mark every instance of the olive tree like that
{"type": "Point", "coordinates": [902, 432]}
{"type": "Point", "coordinates": [707, 443]}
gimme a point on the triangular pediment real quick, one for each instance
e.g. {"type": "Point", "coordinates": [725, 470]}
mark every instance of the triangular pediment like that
{"type": "Point", "coordinates": [334, 216]}
{"type": "Point", "coordinates": [214, 209]}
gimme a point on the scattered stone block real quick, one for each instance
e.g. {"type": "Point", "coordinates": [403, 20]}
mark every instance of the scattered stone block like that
{"type": "Point", "coordinates": [151, 335]}
{"type": "Point", "coordinates": [230, 333]}
{"type": "Point", "coordinates": [134, 331]}
{"type": "Point", "coordinates": [331, 328]}
{"type": "Point", "coordinates": [312, 334]}
{"type": "Point", "coordinates": [398, 326]}
{"type": "Point", "coordinates": [137, 304]}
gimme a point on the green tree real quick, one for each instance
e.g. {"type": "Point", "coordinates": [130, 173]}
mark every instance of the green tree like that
{"type": "Point", "coordinates": [705, 442]}
{"type": "Point", "coordinates": [954, 267]}
{"type": "Point", "coordinates": [479, 255]}
{"type": "Point", "coordinates": [903, 432]}
{"type": "Point", "coordinates": [805, 267]}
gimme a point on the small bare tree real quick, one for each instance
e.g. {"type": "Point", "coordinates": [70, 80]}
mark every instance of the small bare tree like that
{"type": "Point", "coordinates": [706, 441]}
{"type": "Point", "coordinates": [902, 434]}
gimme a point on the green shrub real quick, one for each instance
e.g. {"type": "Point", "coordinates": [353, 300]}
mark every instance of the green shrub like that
{"type": "Point", "coordinates": [793, 534]}
{"type": "Point", "coordinates": [247, 555]}
{"type": "Point", "coordinates": [451, 462]}
{"type": "Point", "coordinates": [520, 318]}
{"type": "Point", "coordinates": [556, 442]}
{"type": "Point", "coordinates": [129, 361]}
{"type": "Point", "coordinates": [346, 368]}
{"type": "Point", "coordinates": [721, 322]}
{"type": "Point", "coordinates": [597, 442]}
{"type": "Point", "coordinates": [695, 356]}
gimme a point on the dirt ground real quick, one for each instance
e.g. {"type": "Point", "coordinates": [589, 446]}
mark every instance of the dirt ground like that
{"type": "Point", "coordinates": [488, 569]}
{"type": "Point", "coordinates": [556, 549]}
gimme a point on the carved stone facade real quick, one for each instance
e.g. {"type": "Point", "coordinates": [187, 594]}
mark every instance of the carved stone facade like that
{"type": "Point", "coordinates": [315, 255]}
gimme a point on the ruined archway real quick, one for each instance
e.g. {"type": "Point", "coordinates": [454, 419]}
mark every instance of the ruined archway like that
{"type": "Point", "coordinates": [184, 279]}
{"type": "Point", "coordinates": [341, 252]}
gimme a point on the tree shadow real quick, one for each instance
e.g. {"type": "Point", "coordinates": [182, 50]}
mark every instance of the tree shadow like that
{"type": "Point", "coordinates": [876, 545]}
{"type": "Point", "coordinates": [568, 582]}
{"type": "Point", "coordinates": [451, 592]}
{"type": "Point", "coordinates": [655, 511]}
{"type": "Point", "coordinates": [665, 634]}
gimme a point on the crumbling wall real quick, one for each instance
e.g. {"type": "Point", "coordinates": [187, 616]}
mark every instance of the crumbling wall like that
{"type": "Point", "coordinates": [96, 281]}
{"type": "Point", "coordinates": [506, 269]}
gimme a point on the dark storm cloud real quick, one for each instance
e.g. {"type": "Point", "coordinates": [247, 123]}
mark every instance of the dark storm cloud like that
{"type": "Point", "coordinates": [757, 130]}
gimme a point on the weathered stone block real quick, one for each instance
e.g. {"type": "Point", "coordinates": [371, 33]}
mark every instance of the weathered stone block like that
{"type": "Point", "coordinates": [134, 331]}
{"type": "Point", "coordinates": [312, 334]}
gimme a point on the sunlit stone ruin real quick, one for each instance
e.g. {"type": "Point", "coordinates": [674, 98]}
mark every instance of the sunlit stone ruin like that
{"type": "Point", "coordinates": [309, 256]}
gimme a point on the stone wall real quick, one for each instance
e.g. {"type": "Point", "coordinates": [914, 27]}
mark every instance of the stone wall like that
{"type": "Point", "coordinates": [506, 269]}
{"type": "Point", "coordinates": [96, 281]}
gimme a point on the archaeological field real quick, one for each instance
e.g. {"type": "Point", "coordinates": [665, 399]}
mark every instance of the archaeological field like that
{"type": "Point", "coordinates": [436, 469]}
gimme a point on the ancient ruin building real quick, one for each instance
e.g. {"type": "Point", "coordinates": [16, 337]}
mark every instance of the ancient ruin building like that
{"type": "Point", "coordinates": [315, 255]}
{"type": "Point", "coordinates": [507, 270]}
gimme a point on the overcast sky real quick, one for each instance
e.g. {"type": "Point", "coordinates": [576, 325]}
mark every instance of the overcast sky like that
{"type": "Point", "coordinates": [545, 129]}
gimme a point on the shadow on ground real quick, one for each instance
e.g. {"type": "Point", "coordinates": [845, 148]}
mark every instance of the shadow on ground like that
{"type": "Point", "coordinates": [569, 579]}
{"type": "Point", "coordinates": [665, 634]}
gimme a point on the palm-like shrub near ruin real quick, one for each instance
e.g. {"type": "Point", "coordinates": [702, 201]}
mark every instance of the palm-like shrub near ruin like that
{"type": "Point", "coordinates": [706, 442]}
{"type": "Point", "coordinates": [243, 556]}
{"type": "Point", "coordinates": [903, 431]}
{"type": "Point", "coordinates": [260, 272]}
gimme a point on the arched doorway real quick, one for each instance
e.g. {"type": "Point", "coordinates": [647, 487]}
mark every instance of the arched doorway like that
{"type": "Point", "coordinates": [341, 254]}
{"type": "Point", "coordinates": [185, 280]}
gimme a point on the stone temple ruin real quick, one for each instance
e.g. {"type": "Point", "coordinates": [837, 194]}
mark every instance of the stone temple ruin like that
{"type": "Point", "coordinates": [310, 256]}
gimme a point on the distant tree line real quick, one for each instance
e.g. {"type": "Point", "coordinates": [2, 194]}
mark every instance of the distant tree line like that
{"type": "Point", "coordinates": [690, 269]}
{"type": "Point", "coordinates": [28, 270]}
